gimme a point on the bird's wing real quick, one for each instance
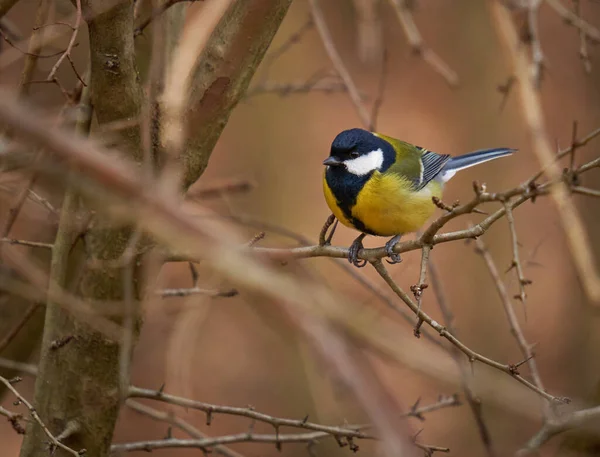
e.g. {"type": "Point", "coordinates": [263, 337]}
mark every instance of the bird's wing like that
{"type": "Point", "coordinates": [416, 164]}
{"type": "Point", "coordinates": [432, 165]}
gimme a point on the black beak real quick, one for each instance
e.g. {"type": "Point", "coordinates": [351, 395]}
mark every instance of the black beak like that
{"type": "Point", "coordinates": [332, 161]}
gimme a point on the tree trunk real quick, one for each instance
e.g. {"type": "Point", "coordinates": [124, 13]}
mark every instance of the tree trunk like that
{"type": "Point", "coordinates": [78, 390]}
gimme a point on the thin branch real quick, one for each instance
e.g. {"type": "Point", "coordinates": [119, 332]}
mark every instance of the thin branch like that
{"type": "Point", "coordinates": [513, 321]}
{"type": "Point", "coordinates": [380, 89]}
{"type": "Point", "coordinates": [516, 261]}
{"type": "Point", "coordinates": [319, 431]}
{"type": "Point", "coordinates": [415, 40]}
{"type": "Point", "coordinates": [32, 244]}
{"type": "Point", "coordinates": [19, 201]}
{"type": "Point", "coordinates": [443, 332]}
{"type": "Point", "coordinates": [583, 41]}
{"type": "Point", "coordinates": [570, 218]}
{"type": "Point", "coordinates": [172, 419]}
{"type": "Point", "coordinates": [571, 18]}
{"type": "Point", "coordinates": [228, 187]}
{"type": "Point", "coordinates": [516, 197]}
{"type": "Point", "coordinates": [185, 292]}
{"type": "Point", "coordinates": [418, 289]}
{"type": "Point", "coordinates": [292, 40]}
{"type": "Point", "coordinates": [207, 443]}
{"type": "Point", "coordinates": [54, 442]}
{"type": "Point", "coordinates": [285, 89]}
{"type": "Point", "coordinates": [67, 52]}
{"type": "Point", "coordinates": [35, 46]}
{"type": "Point", "coordinates": [559, 425]}
{"type": "Point", "coordinates": [210, 409]}
{"type": "Point", "coordinates": [338, 63]}
{"type": "Point", "coordinates": [472, 399]}
{"type": "Point", "coordinates": [537, 55]}
{"type": "Point", "coordinates": [14, 419]}
{"type": "Point", "coordinates": [18, 366]}
{"type": "Point", "coordinates": [586, 191]}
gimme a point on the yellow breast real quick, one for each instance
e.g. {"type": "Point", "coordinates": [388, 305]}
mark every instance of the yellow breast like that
{"type": "Point", "coordinates": [388, 206]}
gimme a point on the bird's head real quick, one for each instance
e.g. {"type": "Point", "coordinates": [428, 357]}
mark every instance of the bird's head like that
{"type": "Point", "coordinates": [360, 152]}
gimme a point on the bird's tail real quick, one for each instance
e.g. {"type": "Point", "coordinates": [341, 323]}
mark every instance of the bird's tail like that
{"type": "Point", "coordinates": [473, 158]}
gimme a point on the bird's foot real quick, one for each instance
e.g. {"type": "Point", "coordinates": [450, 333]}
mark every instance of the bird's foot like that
{"type": "Point", "coordinates": [353, 252]}
{"type": "Point", "coordinates": [389, 250]}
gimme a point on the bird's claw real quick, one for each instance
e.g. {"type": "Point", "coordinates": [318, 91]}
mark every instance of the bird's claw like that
{"type": "Point", "coordinates": [389, 250]}
{"type": "Point", "coordinates": [353, 252]}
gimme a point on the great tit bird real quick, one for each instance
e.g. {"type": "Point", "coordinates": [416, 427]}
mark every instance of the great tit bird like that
{"type": "Point", "coordinates": [382, 186]}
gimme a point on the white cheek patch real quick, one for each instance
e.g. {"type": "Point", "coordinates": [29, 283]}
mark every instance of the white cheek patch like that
{"type": "Point", "coordinates": [366, 163]}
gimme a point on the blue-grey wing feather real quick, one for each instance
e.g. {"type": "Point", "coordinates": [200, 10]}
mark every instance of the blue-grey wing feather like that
{"type": "Point", "coordinates": [433, 164]}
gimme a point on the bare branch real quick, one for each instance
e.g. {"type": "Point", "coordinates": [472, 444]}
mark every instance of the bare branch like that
{"type": "Point", "coordinates": [415, 40]}
{"type": "Point", "coordinates": [515, 327]}
{"type": "Point", "coordinates": [571, 18]}
{"type": "Point", "coordinates": [474, 402]}
{"type": "Point", "coordinates": [559, 425]}
{"type": "Point", "coordinates": [55, 443]}
{"type": "Point", "coordinates": [211, 409]}
{"type": "Point", "coordinates": [67, 53]}
{"type": "Point", "coordinates": [570, 218]}
{"type": "Point", "coordinates": [33, 244]}
{"type": "Point", "coordinates": [175, 421]}
{"type": "Point", "coordinates": [184, 292]}
{"type": "Point", "coordinates": [443, 332]}
{"type": "Point", "coordinates": [338, 63]}
{"type": "Point", "coordinates": [516, 261]}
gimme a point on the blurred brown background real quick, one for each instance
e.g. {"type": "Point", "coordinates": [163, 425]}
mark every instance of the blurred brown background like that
{"type": "Point", "coordinates": [236, 351]}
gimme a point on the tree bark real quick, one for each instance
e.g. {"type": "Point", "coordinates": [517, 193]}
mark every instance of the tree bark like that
{"type": "Point", "coordinates": [79, 382]}
{"type": "Point", "coordinates": [228, 63]}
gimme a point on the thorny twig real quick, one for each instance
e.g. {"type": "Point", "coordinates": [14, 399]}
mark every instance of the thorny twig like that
{"type": "Point", "coordinates": [472, 399]}
{"type": "Point", "coordinates": [352, 431]}
{"type": "Point", "coordinates": [534, 120]}
{"type": "Point", "coordinates": [170, 418]}
{"type": "Point", "coordinates": [418, 289]}
{"type": "Point", "coordinates": [516, 261]}
{"type": "Point", "coordinates": [443, 332]}
{"type": "Point", "coordinates": [513, 321]}
{"type": "Point", "coordinates": [55, 443]}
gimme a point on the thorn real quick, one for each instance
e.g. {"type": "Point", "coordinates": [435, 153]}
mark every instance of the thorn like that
{"type": "Point", "coordinates": [60, 342]}
{"type": "Point", "coordinates": [353, 446]}
{"type": "Point", "coordinates": [194, 273]}
{"type": "Point", "coordinates": [414, 412]}
{"type": "Point", "coordinates": [514, 368]}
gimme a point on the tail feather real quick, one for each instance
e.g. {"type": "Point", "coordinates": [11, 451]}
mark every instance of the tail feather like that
{"type": "Point", "coordinates": [473, 158]}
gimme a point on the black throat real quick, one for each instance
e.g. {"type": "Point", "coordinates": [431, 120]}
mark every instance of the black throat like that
{"type": "Point", "coordinates": [345, 188]}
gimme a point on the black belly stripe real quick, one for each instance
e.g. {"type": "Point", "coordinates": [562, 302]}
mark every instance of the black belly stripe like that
{"type": "Point", "coordinates": [345, 188]}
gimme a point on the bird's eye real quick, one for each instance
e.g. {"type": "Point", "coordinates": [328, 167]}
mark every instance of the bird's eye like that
{"type": "Point", "coordinates": [354, 154]}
